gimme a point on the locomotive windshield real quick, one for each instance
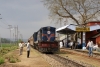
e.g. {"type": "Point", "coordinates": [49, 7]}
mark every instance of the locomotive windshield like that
{"type": "Point", "coordinates": [48, 30]}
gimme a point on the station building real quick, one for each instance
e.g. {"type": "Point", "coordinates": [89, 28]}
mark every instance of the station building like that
{"type": "Point", "coordinates": [93, 32]}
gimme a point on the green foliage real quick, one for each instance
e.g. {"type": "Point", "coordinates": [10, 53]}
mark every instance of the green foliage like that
{"type": "Point", "coordinates": [19, 40]}
{"type": "Point", "coordinates": [18, 60]}
{"type": "Point", "coordinates": [2, 60]}
{"type": "Point", "coordinates": [7, 48]}
{"type": "Point", "coordinates": [4, 40]}
{"type": "Point", "coordinates": [12, 60]}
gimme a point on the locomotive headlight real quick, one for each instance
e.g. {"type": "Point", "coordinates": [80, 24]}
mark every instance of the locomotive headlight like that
{"type": "Point", "coordinates": [48, 32]}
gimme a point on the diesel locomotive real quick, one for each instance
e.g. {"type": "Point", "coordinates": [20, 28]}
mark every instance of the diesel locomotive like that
{"type": "Point", "coordinates": [45, 39]}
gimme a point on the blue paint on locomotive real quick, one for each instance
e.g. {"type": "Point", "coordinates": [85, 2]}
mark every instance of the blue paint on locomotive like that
{"type": "Point", "coordinates": [46, 34]}
{"type": "Point", "coordinates": [35, 36]}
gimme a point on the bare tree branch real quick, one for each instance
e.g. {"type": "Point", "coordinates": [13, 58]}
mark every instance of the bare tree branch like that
{"type": "Point", "coordinates": [69, 13]}
{"type": "Point", "coordinates": [81, 11]}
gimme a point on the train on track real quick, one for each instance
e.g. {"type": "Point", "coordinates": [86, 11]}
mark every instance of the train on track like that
{"type": "Point", "coordinates": [44, 40]}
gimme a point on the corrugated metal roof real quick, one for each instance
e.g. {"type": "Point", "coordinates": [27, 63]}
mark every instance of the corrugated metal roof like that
{"type": "Point", "coordinates": [67, 29]}
{"type": "Point", "coordinates": [71, 28]}
{"type": "Point", "coordinates": [94, 27]}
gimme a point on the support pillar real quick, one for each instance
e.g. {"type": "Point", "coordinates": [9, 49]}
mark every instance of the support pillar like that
{"type": "Point", "coordinates": [84, 41]}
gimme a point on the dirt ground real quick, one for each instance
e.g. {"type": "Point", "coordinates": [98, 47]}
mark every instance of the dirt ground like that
{"type": "Point", "coordinates": [35, 60]}
{"type": "Point", "coordinates": [82, 57]}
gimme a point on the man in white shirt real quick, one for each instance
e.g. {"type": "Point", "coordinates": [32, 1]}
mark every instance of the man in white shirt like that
{"type": "Point", "coordinates": [20, 48]}
{"type": "Point", "coordinates": [61, 44]}
{"type": "Point", "coordinates": [90, 47]}
{"type": "Point", "coordinates": [71, 44]}
{"type": "Point", "coordinates": [28, 49]}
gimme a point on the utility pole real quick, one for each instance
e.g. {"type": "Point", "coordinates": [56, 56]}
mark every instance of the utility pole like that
{"type": "Point", "coordinates": [0, 38]}
{"type": "Point", "coordinates": [0, 18]}
{"type": "Point", "coordinates": [17, 34]}
{"type": "Point", "coordinates": [10, 27]}
{"type": "Point", "coordinates": [0, 43]}
{"type": "Point", "coordinates": [21, 37]}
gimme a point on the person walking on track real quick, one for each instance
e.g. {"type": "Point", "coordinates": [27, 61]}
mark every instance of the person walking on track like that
{"type": "Point", "coordinates": [28, 48]}
{"type": "Point", "coordinates": [90, 47]}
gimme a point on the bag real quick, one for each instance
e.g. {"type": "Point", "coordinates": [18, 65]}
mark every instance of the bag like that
{"type": "Point", "coordinates": [87, 47]}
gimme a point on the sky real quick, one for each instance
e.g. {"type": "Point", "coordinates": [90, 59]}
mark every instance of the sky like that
{"type": "Point", "coordinates": [28, 15]}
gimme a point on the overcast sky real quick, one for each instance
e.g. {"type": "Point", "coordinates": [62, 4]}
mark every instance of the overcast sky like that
{"type": "Point", "coordinates": [28, 15]}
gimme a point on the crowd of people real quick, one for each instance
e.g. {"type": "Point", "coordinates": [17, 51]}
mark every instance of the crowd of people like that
{"type": "Point", "coordinates": [21, 46]}
{"type": "Point", "coordinates": [90, 46]}
{"type": "Point", "coordinates": [72, 44]}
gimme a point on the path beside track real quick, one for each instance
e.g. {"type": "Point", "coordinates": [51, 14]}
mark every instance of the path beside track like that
{"type": "Point", "coordinates": [35, 60]}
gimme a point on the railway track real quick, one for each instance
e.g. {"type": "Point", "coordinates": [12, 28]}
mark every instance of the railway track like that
{"type": "Point", "coordinates": [65, 61]}
{"type": "Point", "coordinates": [58, 61]}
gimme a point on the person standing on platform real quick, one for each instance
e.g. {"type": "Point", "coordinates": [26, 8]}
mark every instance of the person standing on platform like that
{"type": "Point", "coordinates": [71, 44]}
{"type": "Point", "coordinates": [61, 44]}
{"type": "Point", "coordinates": [28, 48]}
{"type": "Point", "coordinates": [90, 47]}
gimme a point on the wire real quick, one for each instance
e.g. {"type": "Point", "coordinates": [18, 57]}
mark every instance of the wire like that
{"type": "Point", "coordinates": [5, 23]}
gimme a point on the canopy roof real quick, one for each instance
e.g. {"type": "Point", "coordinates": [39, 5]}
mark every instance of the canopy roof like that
{"type": "Point", "coordinates": [67, 29]}
{"type": "Point", "coordinates": [71, 28]}
{"type": "Point", "coordinates": [94, 27]}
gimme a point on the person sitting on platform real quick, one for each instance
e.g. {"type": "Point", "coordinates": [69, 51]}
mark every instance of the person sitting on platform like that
{"type": "Point", "coordinates": [95, 47]}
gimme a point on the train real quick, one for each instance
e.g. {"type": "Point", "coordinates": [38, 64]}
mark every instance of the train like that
{"type": "Point", "coordinates": [44, 40]}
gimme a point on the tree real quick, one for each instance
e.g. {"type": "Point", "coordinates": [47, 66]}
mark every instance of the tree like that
{"type": "Point", "coordinates": [80, 11]}
{"type": "Point", "coordinates": [5, 40]}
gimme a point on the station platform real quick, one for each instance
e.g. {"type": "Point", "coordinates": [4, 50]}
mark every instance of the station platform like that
{"type": "Point", "coordinates": [81, 56]}
{"type": "Point", "coordinates": [97, 51]}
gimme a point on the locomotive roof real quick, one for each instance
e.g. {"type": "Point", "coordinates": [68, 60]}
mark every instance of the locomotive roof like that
{"type": "Point", "coordinates": [34, 33]}
{"type": "Point", "coordinates": [46, 27]}
{"type": "Point", "coordinates": [42, 28]}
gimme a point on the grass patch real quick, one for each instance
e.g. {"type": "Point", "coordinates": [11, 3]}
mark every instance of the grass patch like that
{"type": "Point", "coordinates": [12, 59]}
{"type": "Point", "coordinates": [8, 54]}
{"type": "Point", "coordinates": [7, 48]}
{"type": "Point", "coordinates": [2, 60]}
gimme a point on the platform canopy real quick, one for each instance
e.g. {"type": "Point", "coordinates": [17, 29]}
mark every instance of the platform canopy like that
{"type": "Point", "coordinates": [94, 27]}
{"type": "Point", "coordinates": [71, 28]}
{"type": "Point", "coordinates": [67, 29]}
